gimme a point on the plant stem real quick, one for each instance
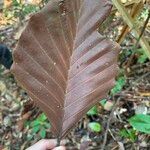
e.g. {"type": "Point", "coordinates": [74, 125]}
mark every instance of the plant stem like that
{"type": "Point", "coordinates": [143, 29]}
{"type": "Point", "coordinates": [58, 141]}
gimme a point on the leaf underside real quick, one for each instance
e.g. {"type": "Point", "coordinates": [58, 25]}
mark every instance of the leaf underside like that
{"type": "Point", "coordinates": [64, 64]}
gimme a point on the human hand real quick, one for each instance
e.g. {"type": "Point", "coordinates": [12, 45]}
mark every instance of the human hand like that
{"type": "Point", "coordinates": [46, 145]}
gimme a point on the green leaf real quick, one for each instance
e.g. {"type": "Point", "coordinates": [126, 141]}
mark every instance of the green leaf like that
{"type": "Point", "coordinates": [42, 117]}
{"type": "Point", "coordinates": [36, 129]}
{"type": "Point", "coordinates": [93, 111]}
{"type": "Point", "coordinates": [43, 133]}
{"type": "Point", "coordinates": [103, 102]}
{"type": "Point", "coordinates": [141, 123]}
{"type": "Point", "coordinates": [27, 123]}
{"type": "Point", "coordinates": [132, 135]}
{"type": "Point", "coordinates": [35, 123]}
{"type": "Point", "coordinates": [119, 85]}
{"type": "Point", "coordinates": [30, 137]}
{"type": "Point", "coordinates": [129, 133]}
{"type": "Point", "coordinates": [29, 9]}
{"type": "Point", "coordinates": [95, 126]}
{"type": "Point", "coordinates": [142, 58]}
{"type": "Point", "coordinates": [47, 125]}
{"type": "Point", "coordinates": [124, 133]}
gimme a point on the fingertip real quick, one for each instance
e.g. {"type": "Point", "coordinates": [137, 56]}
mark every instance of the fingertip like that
{"type": "Point", "coordinates": [49, 143]}
{"type": "Point", "coordinates": [60, 148]}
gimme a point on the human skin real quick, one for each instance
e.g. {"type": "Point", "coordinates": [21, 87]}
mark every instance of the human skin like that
{"type": "Point", "coordinates": [46, 145]}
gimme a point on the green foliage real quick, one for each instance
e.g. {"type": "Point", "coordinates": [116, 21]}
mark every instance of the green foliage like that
{"type": "Point", "coordinates": [39, 125]}
{"type": "Point", "coordinates": [27, 9]}
{"type": "Point", "coordinates": [43, 133]}
{"type": "Point", "coordinates": [144, 14]}
{"type": "Point", "coordinates": [119, 85]}
{"type": "Point", "coordinates": [142, 56]}
{"type": "Point", "coordinates": [20, 10]}
{"type": "Point", "coordinates": [129, 134]}
{"type": "Point", "coordinates": [103, 102]}
{"type": "Point", "coordinates": [95, 126]}
{"type": "Point", "coordinates": [93, 111]}
{"type": "Point", "coordinates": [141, 123]}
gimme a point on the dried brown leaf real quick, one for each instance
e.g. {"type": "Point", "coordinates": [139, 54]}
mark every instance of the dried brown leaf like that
{"type": "Point", "coordinates": [65, 65]}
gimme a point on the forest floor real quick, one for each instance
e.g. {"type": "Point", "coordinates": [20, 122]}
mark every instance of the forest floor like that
{"type": "Point", "coordinates": [19, 116]}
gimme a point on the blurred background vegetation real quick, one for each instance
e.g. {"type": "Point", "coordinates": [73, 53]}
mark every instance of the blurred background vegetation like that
{"type": "Point", "coordinates": [120, 121]}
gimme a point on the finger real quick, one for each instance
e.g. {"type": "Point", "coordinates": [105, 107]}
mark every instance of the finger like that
{"type": "Point", "coordinates": [43, 145]}
{"type": "Point", "coordinates": [60, 148]}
